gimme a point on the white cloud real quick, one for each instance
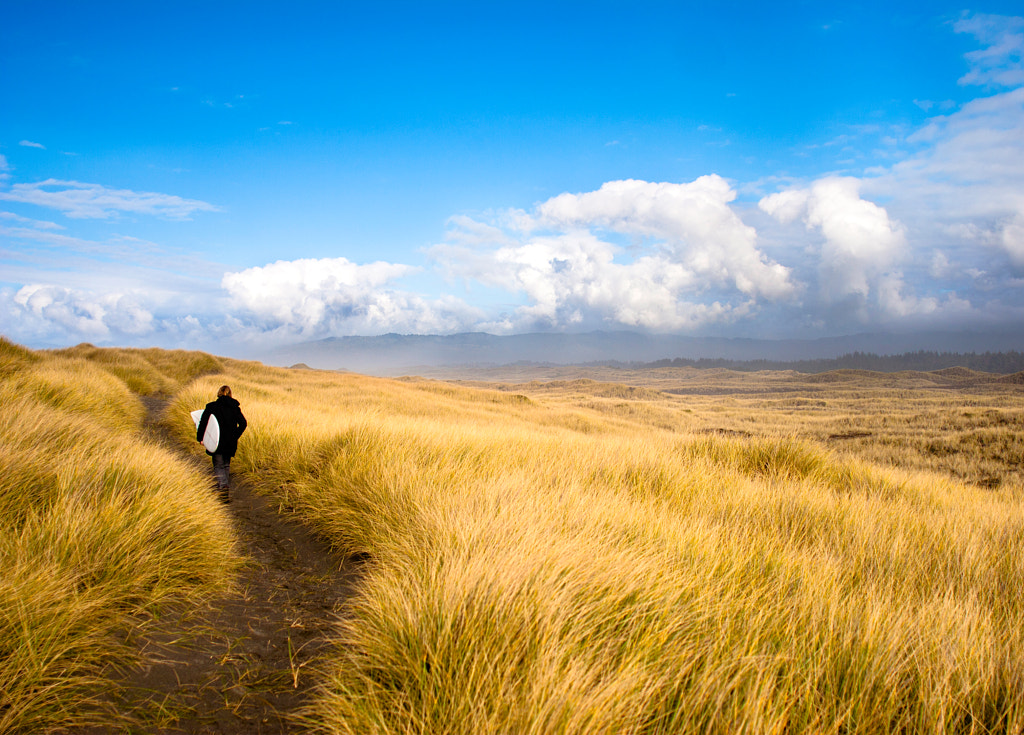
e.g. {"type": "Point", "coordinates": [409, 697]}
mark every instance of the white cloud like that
{"type": "Point", "coordinates": [4, 169]}
{"type": "Point", "coordinates": [93, 316]}
{"type": "Point", "coordinates": [1013, 239]}
{"type": "Point", "coordinates": [30, 144]}
{"type": "Point", "coordinates": [94, 201]}
{"type": "Point", "coordinates": [860, 241]}
{"type": "Point", "coordinates": [898, 306]}
{"type": "Point", "coordinates": [565, 277]}
{"type": "Point", "coordinates": [940, 266]}
{"type": "Point", "coordinates": [979, 146]}
{"type": "Point", "coordinates": [691, 261]}
{"type": "Point", "coordinates": [467, 231]}
{"type": "Point", "coordinates": [1000, 62]}
{"type": "Point", "coordinates": [695, 222]}
{"type": "Point", "coordinates": [44, 235]}
{"type": "Point", "coordinates": [46, 244]}
{"type": "Point", "coordinates": [785, 206]}
{"type": "Point", "coordinates": [33, 223]}
{"type": "Point", "coordinates": [330, 296]}
{"type": "Point", "coordinates": [48, 314]}
{"type": "Point", "coordinates": [966, 185]}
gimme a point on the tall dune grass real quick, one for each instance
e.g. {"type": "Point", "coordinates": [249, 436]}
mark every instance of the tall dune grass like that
{"type": "Point", "coordinates": [147, 371]}
{"type": "Point", "coordinates": [98, 526]}
{"type": "Point", "coordinates": [544, 568]}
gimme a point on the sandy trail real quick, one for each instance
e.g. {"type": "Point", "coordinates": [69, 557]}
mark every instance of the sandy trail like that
{"type": "Point", "coordinates": [244, 665]}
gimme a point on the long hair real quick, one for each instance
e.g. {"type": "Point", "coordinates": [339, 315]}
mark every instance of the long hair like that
{"type": "Point", "coordinates": [224, 391]}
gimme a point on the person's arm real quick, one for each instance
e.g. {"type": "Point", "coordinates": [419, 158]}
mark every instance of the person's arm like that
{"type": "Point", "coordinates": [242, 423]}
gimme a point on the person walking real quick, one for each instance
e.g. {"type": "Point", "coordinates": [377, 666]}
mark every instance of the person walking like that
{"type": "Point", "coordinates": [232, 423]}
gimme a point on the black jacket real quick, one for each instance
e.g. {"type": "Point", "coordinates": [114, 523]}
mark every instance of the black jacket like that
{"type": "Point", "coordinates": [231, 421]}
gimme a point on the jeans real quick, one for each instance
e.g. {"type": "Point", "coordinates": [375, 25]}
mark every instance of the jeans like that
{"type": "Point", "coordinates": [221, 468]}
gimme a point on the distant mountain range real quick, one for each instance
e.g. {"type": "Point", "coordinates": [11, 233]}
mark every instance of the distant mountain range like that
{"type": "Point", "coordinates": [394, 354]}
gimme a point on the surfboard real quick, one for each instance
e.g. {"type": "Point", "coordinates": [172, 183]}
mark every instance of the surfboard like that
{"type": "Point", "coordinates": [211, 438]}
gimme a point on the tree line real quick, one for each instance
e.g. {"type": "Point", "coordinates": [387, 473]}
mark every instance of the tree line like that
{"type": "Point", "coordinates": [987, 362]}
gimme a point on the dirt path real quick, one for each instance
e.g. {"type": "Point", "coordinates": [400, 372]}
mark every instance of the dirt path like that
{"type": "Point", "coordinates": [245, 665]}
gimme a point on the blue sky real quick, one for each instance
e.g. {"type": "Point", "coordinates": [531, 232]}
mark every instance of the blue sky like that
{"type": "Point", "coordinates": [236, 176]}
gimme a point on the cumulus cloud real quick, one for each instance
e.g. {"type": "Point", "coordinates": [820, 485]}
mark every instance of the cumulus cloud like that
{"type": "Point", "coordinates": [898, 306]}
{"type": "Point", "coordinates": [330, 296]}
{"type": "Point", "coordinates": [691, 261]}
{"type": "Point", "coordinates": [94, 316]}
{"type": "Point", "coordinates": [94, 201]}
{"type": "Point", "coordinates": [860, 240]}
{"type": "Point", "coordinates": [694, 221]}
{"type": "Point", "coordinates": [570, 279]}
{"type": "Point", "coordinates": [48, 314]}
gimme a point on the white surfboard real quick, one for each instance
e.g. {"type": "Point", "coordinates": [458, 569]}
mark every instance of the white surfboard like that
{"type": "Point", "coordinates": [211, 438]}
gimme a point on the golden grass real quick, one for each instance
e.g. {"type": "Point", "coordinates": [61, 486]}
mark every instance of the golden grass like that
{"type": "Point", "coordinates": [148, 371]}
{"type": "Point", "coordinates": [98, 526]}
{"type": "Point", "coordinates": [958, 422]}
{"type": "Point", "coordinates": [589, 559]}
{"type": "Point", "coordinates": [666, 552]}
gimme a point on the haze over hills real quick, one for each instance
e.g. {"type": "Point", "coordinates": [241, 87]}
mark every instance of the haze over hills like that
{"type": "Point", "coordinates": [391, 354]}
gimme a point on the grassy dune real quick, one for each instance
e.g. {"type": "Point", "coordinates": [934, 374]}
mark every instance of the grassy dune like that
{"type": "Point", "coordinates": [591, 560]}
{"type": "Point", "coordinates": [551, 557]}
{"type": "Point", "coordinates": [100, 528]}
